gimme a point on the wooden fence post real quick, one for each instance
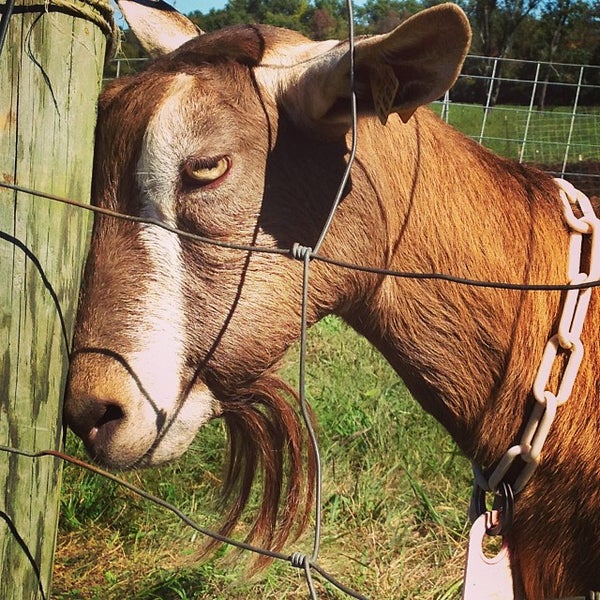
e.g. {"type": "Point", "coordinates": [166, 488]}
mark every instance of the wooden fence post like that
{"type": "Point", "coordinates": [50, 75]}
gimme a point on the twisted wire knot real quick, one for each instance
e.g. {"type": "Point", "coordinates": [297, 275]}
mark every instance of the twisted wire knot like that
{"type": "Point", "coordinates": [298, 560]}
{"type": "Point", "coordinates": [300, 252]}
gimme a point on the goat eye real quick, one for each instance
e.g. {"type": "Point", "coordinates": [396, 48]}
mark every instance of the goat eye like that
{"type": "Point", "coordinates": [204, 171]}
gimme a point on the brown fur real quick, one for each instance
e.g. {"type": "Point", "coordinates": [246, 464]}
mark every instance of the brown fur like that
{"type": "Point", "coordinates": [422, 198]}
{"type": "Point", "coordinates": [266, 435]}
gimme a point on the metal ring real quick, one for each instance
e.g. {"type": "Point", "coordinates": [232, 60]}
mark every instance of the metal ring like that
{"type": "Point", "coordinates": [477, 506]}
{"type": "Point", "coordinates": [504, 503]}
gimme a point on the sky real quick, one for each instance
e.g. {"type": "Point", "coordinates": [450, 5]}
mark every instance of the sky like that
{"type": "Point", "coordinates": [188, 6]}
{"type": "Point", "coordinates": [183, 6]}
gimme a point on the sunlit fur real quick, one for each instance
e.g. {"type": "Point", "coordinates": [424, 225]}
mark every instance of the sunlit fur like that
{"type": "Point", "coordinates": [422, 198]}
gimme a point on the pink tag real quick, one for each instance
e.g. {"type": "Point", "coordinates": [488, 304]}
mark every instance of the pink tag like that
{"type": "Point", "coordinates": [487, 578]}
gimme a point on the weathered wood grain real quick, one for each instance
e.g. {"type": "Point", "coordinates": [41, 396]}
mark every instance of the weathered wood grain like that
{"type": "Point", "coordinates": [50, 75]}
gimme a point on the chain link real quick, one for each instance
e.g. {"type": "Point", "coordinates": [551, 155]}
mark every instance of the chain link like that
{"type": "Point", "coordinates": [566, 341]}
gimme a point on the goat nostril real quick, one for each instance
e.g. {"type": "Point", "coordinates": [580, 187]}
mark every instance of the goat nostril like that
{"type": "Point", "coordinates": [107, 422]}
{"type": "Point", "coordinates": [112, 412]}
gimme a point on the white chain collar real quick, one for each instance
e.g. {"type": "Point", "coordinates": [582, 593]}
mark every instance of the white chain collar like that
{"type": "Point", "coordinates": [486, 578]}
{"type": "Point", "coordinates": [567, 339]}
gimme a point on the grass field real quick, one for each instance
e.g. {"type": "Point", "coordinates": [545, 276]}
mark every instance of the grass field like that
{"type": "Point", "coordinates": [545, 135]}
{"type": "Point", "coordinates": [395, 493]}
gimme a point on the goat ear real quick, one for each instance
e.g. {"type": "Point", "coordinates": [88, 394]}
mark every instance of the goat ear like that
{"type": "Point", "coordinates": [395, 72]}
{"type": "Point", "coordinates": [157, 25]}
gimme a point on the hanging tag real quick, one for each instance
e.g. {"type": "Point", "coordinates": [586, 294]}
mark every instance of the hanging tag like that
{"type": "Point", "coordinates": [384, 85]}
{"type": "Point", "coordinates": [487, 578]}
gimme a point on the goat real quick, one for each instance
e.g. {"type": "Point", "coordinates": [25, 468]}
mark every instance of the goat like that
{"type": "Point", "coordinates": [242, 136]}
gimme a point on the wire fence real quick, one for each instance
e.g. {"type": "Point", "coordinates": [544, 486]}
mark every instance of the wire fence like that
{"type": "Point", "coordinates": [296, 559]}
{"type": "Point", "coordinates": [544, 114]}
{"type": "Point", "coordinates": [299, 560]}
{"type": "Point", "coordinates": [450, 109]}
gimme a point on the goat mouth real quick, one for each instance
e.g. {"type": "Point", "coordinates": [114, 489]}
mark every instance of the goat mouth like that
{"type": "Point", "coordinates": [124, 426]}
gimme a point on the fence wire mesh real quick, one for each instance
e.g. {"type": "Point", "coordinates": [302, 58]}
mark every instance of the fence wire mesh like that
{"type": "Point", "coordinates": [543, 114]}
{"type": "Point", "coordinates": [298, 560]}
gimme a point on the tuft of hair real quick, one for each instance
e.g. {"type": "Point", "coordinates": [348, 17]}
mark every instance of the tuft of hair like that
{"type": "Point", "coordinates": [268, 443]}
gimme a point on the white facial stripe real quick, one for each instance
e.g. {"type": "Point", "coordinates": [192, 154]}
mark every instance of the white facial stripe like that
{"type": "Point", "coordinates": [162, 149]}
{"type": "Point", "coordinates": [158, 363]}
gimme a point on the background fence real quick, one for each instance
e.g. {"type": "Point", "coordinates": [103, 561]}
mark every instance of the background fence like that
{"type": "Point", "coordinates": [545, 114]}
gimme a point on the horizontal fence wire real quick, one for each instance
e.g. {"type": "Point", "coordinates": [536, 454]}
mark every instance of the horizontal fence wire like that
{"type": "Point", "coordinates": [296, 559]}
{"type": "Point", "coordinates": [292, 252]}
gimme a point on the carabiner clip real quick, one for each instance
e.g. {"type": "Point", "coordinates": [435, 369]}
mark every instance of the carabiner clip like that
{"type": "Point", "coordinates": [504, 503]}
{"type": "Point", "coordinates": [500, 518]}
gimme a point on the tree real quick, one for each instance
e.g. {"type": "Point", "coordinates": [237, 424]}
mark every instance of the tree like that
{"type": "Point", "coordinates": [496, 23]}
{"type": "Point", "coordinates": [322, 24]}
{"type": "Point", "coordinates": [555, 17]}
{"type": "Point", "coordinates": [570, 33]}
{"type": "Point", "coordinates": [328, 19]}
{"type": "Point", "coordinates": [381, 16]}
{"type": "Point", "coordinates": [282, 13]}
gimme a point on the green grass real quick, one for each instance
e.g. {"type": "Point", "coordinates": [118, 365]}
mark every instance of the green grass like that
{"type": "Point", "coordinates": [547, 133]}
{"type": "Point", "coordinates": [395, 494]}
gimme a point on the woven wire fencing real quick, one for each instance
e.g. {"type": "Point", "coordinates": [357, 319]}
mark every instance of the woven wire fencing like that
{"type": "Point", "coordinates": [530, 132]}
{"type": "Point", "coordinates": [306, 563]}
{"type": "Point", "coordinates": [543, 114]}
